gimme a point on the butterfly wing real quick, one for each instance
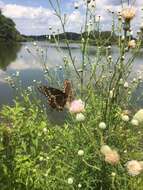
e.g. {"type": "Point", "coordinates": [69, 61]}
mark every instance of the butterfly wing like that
{"type": "Point", "coordinates": [56, 98]}
{"type": "Point", "coordinates": [68, 91]}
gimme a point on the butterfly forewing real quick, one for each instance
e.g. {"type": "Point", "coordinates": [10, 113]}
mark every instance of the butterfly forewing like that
{"type": "Point", "coordinates": [68, 90]}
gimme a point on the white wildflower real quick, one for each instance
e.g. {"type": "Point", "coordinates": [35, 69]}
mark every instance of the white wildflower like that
{"type": "Point", "coordinates": [140, 77]}
{"type": "Point", "coordinates": [45, 130]}
{"type": "Point", "coordinates": [126, 85]}
{"type": "Point", "coordinates": [35, 44]}
{"type": "Point", "coordinates": [109, 57]}
{"type": "Point", "coordinates": [134, 167]}
{"type": "Point", "coordinates": [50, 27]}
{"type": "Point", "coordinates": [70, 181]}
{"type": "Point", "coordinates": [121, 81]}
{"type": "Point", "coordinates": [79, 185]}
{"type": "Point", "coordinates": [102, 125]}
{"type": "Point", "coordinates": [132, 44]}
{"type": "Point", "coordinates": [80, 153]}
{"type": "Point", "coordinates": [17, 73]}
{"type": "Point", "coordinates": [29, 88]}
{"type": "Point", "coordinates": [113, 174]}
{"type": "Point", "coordinates": [125, 117]}
{"type": "Point", "coordinates": [134, 80]}
{"type": "Point", "coordinates": [111, 93]}
{"type": "Point", "coordinates": [105, 149]}
{"type": "Point", "coordinates": [139, 116]}
{"type": "Point", "coordinates": [80, 117]}
{"type": "Point", "coordinates": [41, 158]}
{"type": "Point", "coordinates": [134, 122]}
{"type": "Point", "coordinates": [141, 26]}
{"type": "Point", "coordinates": [128, 13]}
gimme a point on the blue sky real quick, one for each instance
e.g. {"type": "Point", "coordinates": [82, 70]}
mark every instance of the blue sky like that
{"type": "Point", "coordinates": [34, 3]}
{"type": "Point", "coordinates": [35, 16]}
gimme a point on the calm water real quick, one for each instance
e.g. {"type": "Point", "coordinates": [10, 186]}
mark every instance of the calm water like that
{"type": "Point", "coordinates": [15, 58]}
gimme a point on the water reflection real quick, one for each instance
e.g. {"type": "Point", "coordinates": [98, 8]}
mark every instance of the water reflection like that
{"type": "Point", "coordinates": [8, 54]}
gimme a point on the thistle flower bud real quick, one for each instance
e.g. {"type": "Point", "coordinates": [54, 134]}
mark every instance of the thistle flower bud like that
{"type": "Point", "coordinates": [123, 58]}
{"type": "Point", "coordinates": [35, 44]}
{"type": "Point", "coordinates": [79, 185]}
{"type": "Point", "coordinates": [125, 118]}
{"type": "Point", "coordinates": [80, 153]}
{"type": "Point", "coordinates": [134, 80]}
{"type": "Point", "coordinates": [50, 27]}
{"type": "Point", "coordinates": [128, 13]}
{"type": "Point", "coordinates": [141, 27]}
{"type": "Point", "coordinates": [121, 81]}
{"type": "Point", "coordinates": [140, 78]}
{"type": "Point", "coordinates": [70, 181]}
{"type": "Point", "coordinates": [132, 44]}
{"type": "Point", "coordinates": [139, 116]}
{"type": "Point", "coordinates": [109, 47]}
{"type": "Point", "coordinates": [102, 125]}
{"type": "Point", "coordinates": [113, 174]}
{"type": "Point", "coordinates": [76, 5]}
{"type": "Point", "coordinates": [126, 85]}
{"type": "Point", "coordinates": [80, 117]}
{"type": "Point", "coordinates": [119, 17]}
{"type": "Point", "coordinates": [134, 167]}
{"type": "Point", "coordinates": [111, 93]}
{"type": "Point", "coordinates": [134, 122]}
{"type": "Point", "coordinates": [110, 58]}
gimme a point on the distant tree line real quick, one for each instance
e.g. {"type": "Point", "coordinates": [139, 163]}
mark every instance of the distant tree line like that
{"type": "Point", "coordinates": [94, 37]}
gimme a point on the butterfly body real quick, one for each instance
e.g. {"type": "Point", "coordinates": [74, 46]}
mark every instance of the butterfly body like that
{"type": "Point", "coordinates": [57, 99]}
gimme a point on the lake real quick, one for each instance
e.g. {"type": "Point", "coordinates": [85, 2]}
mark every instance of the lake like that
{"type": "Point", "coordinates": [15, 58]}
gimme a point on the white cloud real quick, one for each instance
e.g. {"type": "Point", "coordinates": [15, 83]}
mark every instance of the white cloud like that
{"type": "Point", "coordinates": [30, 20]}
{"type": "Point", "coordinates": [36, 20]}
{"type": "Point", "coordinates": [18, 11]}
{"type": "Point", "coordinates": [74, 19]}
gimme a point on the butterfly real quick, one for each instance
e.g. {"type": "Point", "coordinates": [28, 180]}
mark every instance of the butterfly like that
{"type": "Point", "coordinates": [58, 99]}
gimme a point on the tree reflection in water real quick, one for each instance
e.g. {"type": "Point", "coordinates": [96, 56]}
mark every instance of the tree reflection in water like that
{"type": "Point", "coordinates": [8, 54]}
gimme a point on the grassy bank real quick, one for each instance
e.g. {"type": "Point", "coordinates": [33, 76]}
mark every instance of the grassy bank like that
{"type": "Point", "coordinates": [35, 154]}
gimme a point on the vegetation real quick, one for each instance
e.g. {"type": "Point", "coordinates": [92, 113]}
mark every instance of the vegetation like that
{"type": "Point", "coordinates": [62, 36]}
{"type": "Point", "coordinates": [75, 37]}
{"type": "Point", "coordinates": [8, 32]}
{"type": "Point", "coordinates": [99, 144]}
{"type": "Point", "coordinates": [36, 154]}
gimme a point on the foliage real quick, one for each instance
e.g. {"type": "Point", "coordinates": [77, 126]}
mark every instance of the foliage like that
{"type": "Point", "coordinates": [8, 30]}
{"type": "Point", "coordinates": [37, 155]}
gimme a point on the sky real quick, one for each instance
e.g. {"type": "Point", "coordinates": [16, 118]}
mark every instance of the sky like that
{"type": "Point", "coordinates": [33, 17]}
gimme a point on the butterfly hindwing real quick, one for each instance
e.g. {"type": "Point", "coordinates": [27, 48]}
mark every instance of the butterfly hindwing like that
{"type": "Point", "coordinates": [56, 98]}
